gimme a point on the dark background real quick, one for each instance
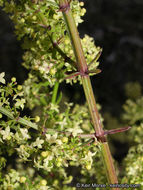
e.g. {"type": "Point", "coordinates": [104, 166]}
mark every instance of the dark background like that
{"type": "Point", "coordinates": [117, 27]}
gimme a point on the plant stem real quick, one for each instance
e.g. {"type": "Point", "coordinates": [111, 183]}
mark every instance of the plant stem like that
{"type": "Point", "coordinates": [54, 95]}
{"type": "Point", "coordinates": [83, 69]}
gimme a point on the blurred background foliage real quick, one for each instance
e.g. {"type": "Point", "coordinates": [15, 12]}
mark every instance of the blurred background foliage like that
{"type": "Point", "coordinates": [117, 28]}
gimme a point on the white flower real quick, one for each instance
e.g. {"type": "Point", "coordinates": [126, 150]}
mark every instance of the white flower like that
{"type": "Point", "coordinates": [46, 164]}
{"type": "Point", "coordinates": [17, 137]}
{"type": "Point", "coordinates": [75, 131]}
{"type": "Point", "coordinates": [51, 138]}
{"type": "Point", "coordinates": [44, 188]}
{"type": "Point", "coordinates": [38, 143]}
{"type": "Point", "coordinates": [59, 142]}
{"type": "Point", "coordinates": [20, 103]}
{"type": "Point", "coordinates": [22, 152]}
{"type": "Point", "coordinates": [6, 133]}
{"type": "Point", "coordinates": [132, 171]}
{"type": "Point", "coordinates": [88, 157]}
{"type": "Point", "coordinates": [55, 150]}
{"type": "Point", "coordinates": [54, 107]}
{"type": "Point", "coordinates": [14, 175]}
{"type": "Point", "coordinates": [62, 123]}
{"type": "Point", "coordinates": [24, 133]}
{"type": "Point", "coordinates": [37, 164]}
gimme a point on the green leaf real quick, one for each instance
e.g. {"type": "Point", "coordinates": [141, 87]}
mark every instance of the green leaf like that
{"type": "Point", "coordinates": [52, 2]}
{"type": "Point", "coordinates": [6, 112]}
{"type": "Point", "coordinates": [20, 120]}
{"type": "Point", "coordinates": [27, 123]}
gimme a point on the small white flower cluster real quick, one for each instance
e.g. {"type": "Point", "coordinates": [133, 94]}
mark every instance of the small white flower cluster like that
{"type": "Point", "coordinates": [11, 180]}
{"type": "Point", "coordinates": [23, 152]}
{"type": "Point", "coordinates": [38, 143]}
{"type": "Point", "coordinates": [6, 134]}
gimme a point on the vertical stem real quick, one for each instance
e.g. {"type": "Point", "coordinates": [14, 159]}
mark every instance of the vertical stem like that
{"type": "Point", "coordinates": [108, 164]}
{"type": "Point", "coordinates": [83, 69]}
{"type": "Point", "coordinates": [75, 41]}
{"type": "Point", "coordinates": [55, 90]}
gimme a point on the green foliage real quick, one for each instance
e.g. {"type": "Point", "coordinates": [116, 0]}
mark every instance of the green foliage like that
{"type": "Point", "coordinates": [134, 110]}
{"type": "Point", "coordinates": [46, 146]}
{"type": "Point", "coordinates": [134, 116]}
{"type": "Point", "coordinates": [134, 166]}
{"type": "Point", "coordinates": [133, 90]}
{"type": "Point", "coordinates": [133, 163]}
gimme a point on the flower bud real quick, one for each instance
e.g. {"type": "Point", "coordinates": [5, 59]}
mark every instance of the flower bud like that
{"type": "Point", "coordinates": [81, 4]}
{"type": "Point", "coordinates": [0, 115]}
{"type": "Point", "coordinates": [43, 182]}
{"type": "Point", "coordinates": [44, 154]}
{"type": "Point", "coordinates": [37, 119]}
{"type": "Point", "coordinates": [13, 79]}
{"type": "Point", "coordinates": [19, 87]}
{"type": "Point", "coordinates": [22, 179]}
{"type": "Point", "coordinates": [64, 139]}
{"type": "Point", "coordinates": [88, 166]}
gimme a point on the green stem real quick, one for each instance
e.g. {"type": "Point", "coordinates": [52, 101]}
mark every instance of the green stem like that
{"type": "Point", "coordinates": [83, 69]}
{"type": "Point", "coordinates": [55, 91]}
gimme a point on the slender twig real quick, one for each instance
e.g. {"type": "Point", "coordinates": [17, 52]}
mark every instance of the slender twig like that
{"type": "Point", "coordinates": [55, 91]}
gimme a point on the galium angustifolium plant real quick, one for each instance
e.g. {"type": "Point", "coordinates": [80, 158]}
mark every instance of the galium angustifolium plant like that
{"type": "Point", "coordinates": [44, 146]}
